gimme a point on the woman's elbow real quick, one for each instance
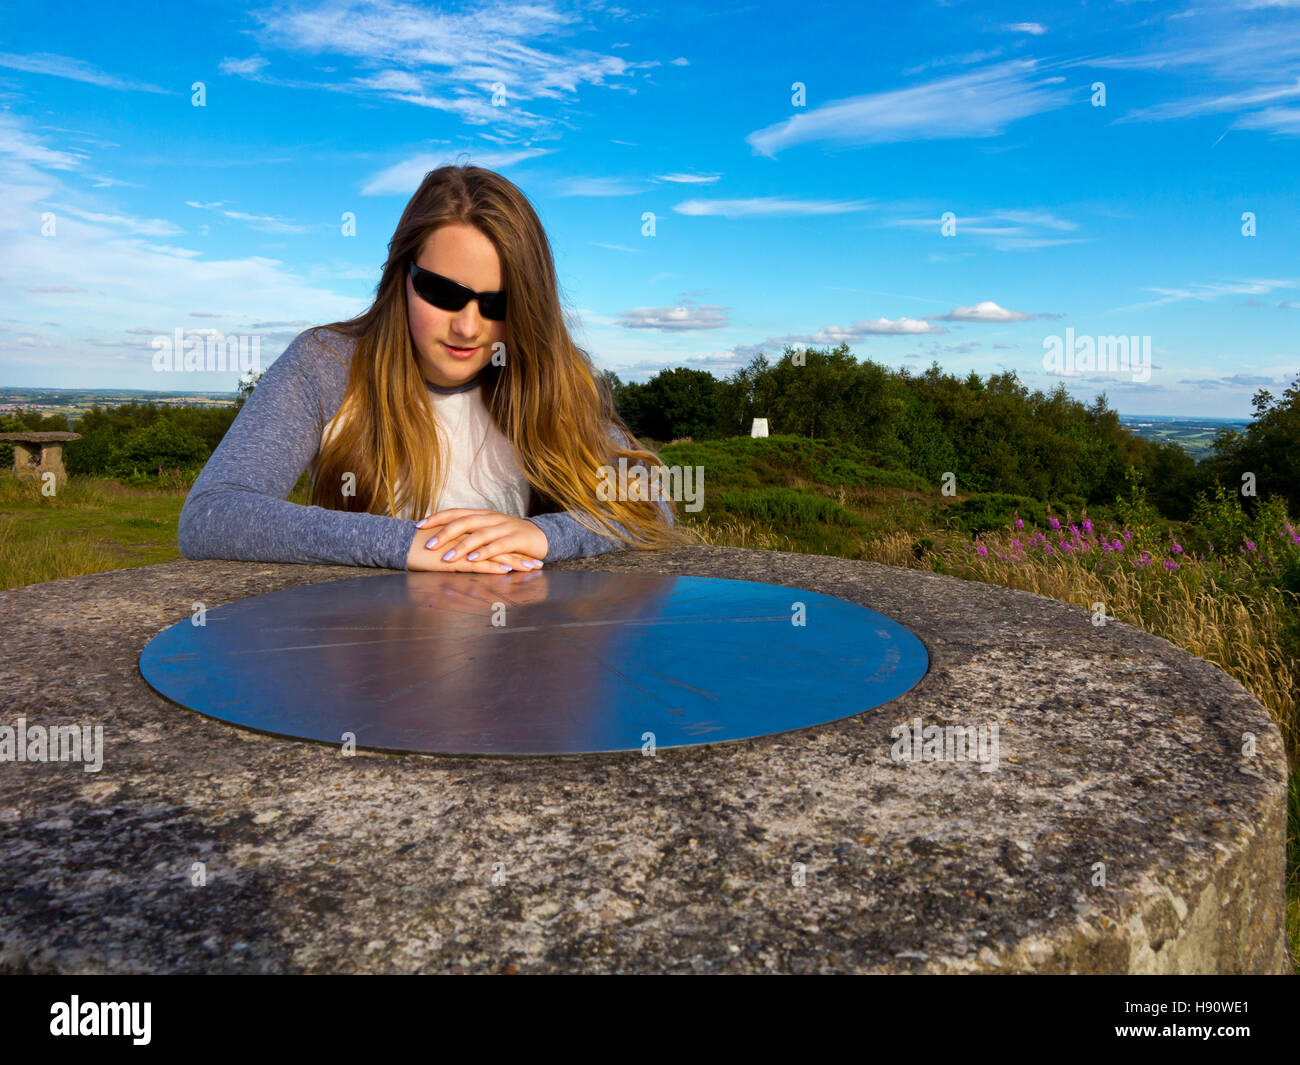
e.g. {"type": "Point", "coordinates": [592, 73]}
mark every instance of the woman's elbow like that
{"type": "Point", "coordinates": [191, 538]}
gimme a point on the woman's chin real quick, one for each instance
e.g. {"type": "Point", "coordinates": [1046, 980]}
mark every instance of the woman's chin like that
{"type": "Point", "coordinates": [448, 372]}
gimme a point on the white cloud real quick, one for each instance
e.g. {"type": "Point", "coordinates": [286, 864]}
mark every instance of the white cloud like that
{"type": "Point", "coordinates": [685, 316]}
{"type": "Point", "coordinates": [897, 327]}
{"type": "Point", "coordinates": [985, 311]}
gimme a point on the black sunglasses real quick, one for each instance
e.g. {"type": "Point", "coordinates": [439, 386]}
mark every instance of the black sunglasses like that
{"type": "Point", "coordinates": [449, 295]}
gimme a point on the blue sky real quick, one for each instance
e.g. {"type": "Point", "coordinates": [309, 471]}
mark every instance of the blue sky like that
{"type": "Point", "coordinates": [777, 220]}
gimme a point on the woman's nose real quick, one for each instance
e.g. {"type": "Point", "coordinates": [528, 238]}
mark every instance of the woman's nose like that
{"type": "Point", "coordinates": [467, 320]}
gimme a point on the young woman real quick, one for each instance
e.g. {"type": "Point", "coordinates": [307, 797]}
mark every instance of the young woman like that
{"type": "Point", "coordinates": [458, 399]}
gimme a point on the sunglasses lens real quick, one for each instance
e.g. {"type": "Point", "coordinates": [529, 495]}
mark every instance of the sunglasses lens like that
{"type": "Point", "coordinates": [493, 307]}
{"type": "Point", "coordinates": [442, 293]}
{"type": "Point", "coordinates": [447, 295]}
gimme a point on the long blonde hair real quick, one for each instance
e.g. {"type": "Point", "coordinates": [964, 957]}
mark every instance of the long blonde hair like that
{"type": "Point", "coordinates": [547, 399]}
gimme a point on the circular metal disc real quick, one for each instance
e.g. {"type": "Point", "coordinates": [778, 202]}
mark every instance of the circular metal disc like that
{"type": "Point", "coordinates": [548, 662]}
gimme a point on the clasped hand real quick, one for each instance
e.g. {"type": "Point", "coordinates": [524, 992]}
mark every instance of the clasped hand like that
{"type": "Point", "coordinates": [476, 541]}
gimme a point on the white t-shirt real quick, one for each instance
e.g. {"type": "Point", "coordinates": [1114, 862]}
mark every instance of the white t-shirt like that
{"type": "Point", "coordinates": [483, 472]}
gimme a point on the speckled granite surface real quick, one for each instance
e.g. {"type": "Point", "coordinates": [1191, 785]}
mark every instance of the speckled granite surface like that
{"type": "Point", "coordinates": [1116, 748]}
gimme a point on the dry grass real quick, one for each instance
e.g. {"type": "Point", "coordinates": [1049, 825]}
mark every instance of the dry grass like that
{"type": "Point", "coordinates": [1241, 633]}
{"type": "Point", "coordinates": [736, 533]}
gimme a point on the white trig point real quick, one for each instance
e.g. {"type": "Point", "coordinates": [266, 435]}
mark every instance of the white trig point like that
{"type": "Point", "coordinates": [760, 427]}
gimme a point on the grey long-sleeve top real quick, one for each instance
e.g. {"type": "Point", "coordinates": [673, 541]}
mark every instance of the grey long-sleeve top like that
{"type": "Point", "coordinates": [237, 508]}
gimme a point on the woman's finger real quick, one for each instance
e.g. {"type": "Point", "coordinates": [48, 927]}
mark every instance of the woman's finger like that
{"type": "Point", "coordinates": [442, 516]}
{"type": "Point", "coordinates": [447, 533]}
{"type": "Point", "coordinates": [474, 539]}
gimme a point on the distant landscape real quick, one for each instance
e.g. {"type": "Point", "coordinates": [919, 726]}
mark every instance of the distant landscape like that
{"type": "Point", "coordinates": [1193, 435]}
{"type": "Point", "coordinates": [73, 402]}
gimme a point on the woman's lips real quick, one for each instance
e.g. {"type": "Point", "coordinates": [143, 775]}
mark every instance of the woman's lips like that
{"type": "Point", "coordinates": [459, 353]}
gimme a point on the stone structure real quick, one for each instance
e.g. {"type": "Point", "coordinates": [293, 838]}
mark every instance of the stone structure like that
{"type": "Point", "coordinates": [1123, 831]}
{"type": "Point", "coordinates": [36, 454]}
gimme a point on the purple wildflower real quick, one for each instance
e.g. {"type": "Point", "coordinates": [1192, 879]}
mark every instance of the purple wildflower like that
{"type": "Point", "coordinates": [1087, 525]}
{"type": "Point", "coordinates": [1020, 523]}
{"type": "Point", "coordinates": [1171, 565]}
{"type": "Point", "coordinates": [981, 550]}
{"type": "Point", "coordinates": [1053, 523]}
{"type": "Point", "coordinates": [1178, 549]}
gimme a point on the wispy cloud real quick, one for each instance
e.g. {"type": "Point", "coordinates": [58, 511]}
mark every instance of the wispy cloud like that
{"type": "Point", "coordinates": [963, 60]}
{"type": "Point", "coordinates": [146, 227]}
{"type": "Point", "coordinates": [597, 186]}
{"type": "Point", "coordinates": [1205, 105]}
{"type": "Point", "coordinates": [450, 60]}
{"type": "Point", "coordinates": [1283, 120]}
{"type": "Point", "coordinates": [402, 179]}
{"type": "Point", "coordinates": [1231, 50]}
{"type": "Point", "coordinates": [262, 223]}
{"type": "Point", "coordinates": [981, 103]}
{"type": "Point", "coordinates": [21, 145]}
{"type": "Point", "coordinates": [1007, 229]}
{"type": "Point", "coordinates": [689, 179]}
{"type": "Point", "coordinates": [245, 67]}
{"type": "Point", "coordinates": [61, 66]}
{"type": "Point", "coordinates": [769, 206]}
{"type": "Point", "coordinates": [1212, 291]}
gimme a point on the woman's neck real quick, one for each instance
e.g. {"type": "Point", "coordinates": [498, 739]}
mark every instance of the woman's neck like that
{"type": "Point", "coordinates": [473, 382]}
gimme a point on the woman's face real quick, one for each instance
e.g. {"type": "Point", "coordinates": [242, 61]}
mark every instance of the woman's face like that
{"type": "Point", "coordinates": [463, 254]}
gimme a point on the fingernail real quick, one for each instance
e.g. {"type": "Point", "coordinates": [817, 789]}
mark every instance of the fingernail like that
{"type": "Point", "coordinates": [420, 524]}
{"type": "Point", "coordinates": [432, 542]}
{"type": "Point", "coordinates": [447, 556]}
{"type": "Point", "coordinates": [472, 556]}
{"type": "Point", "coordinates": [503, 565]}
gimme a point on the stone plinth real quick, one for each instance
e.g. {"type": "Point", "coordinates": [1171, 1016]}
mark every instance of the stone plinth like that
{"type": "Point", "coordinates": [1120, 755]}
{"type": "Point", "coordinates": [36, 454]}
